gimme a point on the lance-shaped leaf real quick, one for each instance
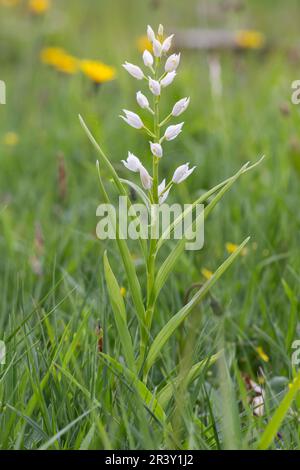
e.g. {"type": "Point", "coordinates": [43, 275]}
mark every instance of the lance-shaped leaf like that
{"type": "Point", "coordinates": [119, 311]}
{"type": "Point", "coordinates": [109, 168]}
{"type": "Point", "coordinates": [132, 381]}
{"type": "Point", "coordinates": [165, 394]}
{"type": "Point", "coordinates": [204, 197]}
{"type": "Point", "coordinates": [168, 265]}
{"type": "Point", "coordinates": [167, 331]}
{"type": "Point", "coordinates": [134, 285]}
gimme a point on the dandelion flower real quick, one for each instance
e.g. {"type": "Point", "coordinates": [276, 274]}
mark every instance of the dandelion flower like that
{"type": "Point", "coordinates": [250, 39]}
{"type": "Point", "coordinates": [38, 7]}
{"type": "Point", "coordinates": [97, 71]}
{"type": "Point", "coordinates": [67, 64]}
{"type": "Point", "coordinates": [143, 44]}
{"type": "Point", "coordinates": [59, 59]}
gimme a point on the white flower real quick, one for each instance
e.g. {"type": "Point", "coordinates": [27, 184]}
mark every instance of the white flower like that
{"type": "Point", "coordinates": [145, 178]}
{"type": "Point", "coordinates": [132, 119]}
{"type": "Point", "coordinates": [172, 62]}
{"type": "Point", "coordinates": [182, 173]}
{"type": "Point", "coordinates": [258, 405]}
{"type": "Point", "coordinates": [173, 131]}
{"type": "Point", "coordinates": [157, 48]}
{"type": "Point", "coordinates": [160, 30]}
{"type": "Point", "coordinates": [148, 58]}
{"type": "Point", "coordinates": [132, 163]}
{"type": "Point", "coordinates": [161, 188]}
{"type": "Point", "coordinates": [168, 79]}
{"type": "Point", "coordinates": [134, 70]}
{"type": "Point", "coordinates": [180, 106]}
{"type": "Point", "coordinates": [142, 100]}
{"type": "Point", "coordinates": [166, 45]}
{"type": "Point", "coordinates": [154, 86]}
{"type": "Point", "coordinates": [156, 149]}
{"type": "Point", "coordinates": [150, 33]}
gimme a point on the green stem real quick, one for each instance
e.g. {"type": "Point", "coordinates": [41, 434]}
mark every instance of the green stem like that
{"type": "Point", "coordinates": [165, 120]}
{"type": "Point", "coordinates": [153, 239]}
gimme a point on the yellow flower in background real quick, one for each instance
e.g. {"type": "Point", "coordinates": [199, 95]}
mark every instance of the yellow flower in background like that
{"type": "Point", "coordinates": [67, 64]}
{"type": "Point", "coordinates": [123, 291]}
{"type": "Point", "coordinates": [97, 71]}
{"type": "Point", "coordinates": [9, 3]}
{"type": "Point", "coordinates": [50, 55]}
{"type": "Point", "coordinates": [206, 273]}
{"type": "Point", "coordinates": [11, 139]}
{"type": "Point", "coordinates": [38, 7]}
{"type": "Point", "coordinates": [143, 44]}
{"type": "Point", "coordinates": [262, 354]}
{"type": "Point", "coordinates": [59, 59]}
{"type": "Point", "coordinates": [250, 39]}
{"type": "Point", "coordinates": [232, 247]}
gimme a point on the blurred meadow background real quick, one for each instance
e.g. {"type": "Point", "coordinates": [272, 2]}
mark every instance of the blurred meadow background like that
{"type": "Point", "coordinates": [60, 58]}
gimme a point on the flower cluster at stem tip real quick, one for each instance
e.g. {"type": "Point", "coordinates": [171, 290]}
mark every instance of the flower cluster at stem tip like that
{"type": "Point", "coordinates": [156, 83]}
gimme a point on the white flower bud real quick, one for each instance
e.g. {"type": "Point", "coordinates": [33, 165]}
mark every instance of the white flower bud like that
{"type": "Point", "coordinates": [132, 119]}
{"type": "Point", "coordinates": [161, 189]}
{"type": "Point", "coordinates": [132, 163]}
{"type": "Point", "coordinates": [173, 131]}
{"type": "Point", "coordinates": [145, 178]}
{"type": "Point", "coordinates": [160, 30]}
{"type": "Point", "coordinates": [157, 48]}
{"type": "Point", "coordinates": [154, 86]}
{"type": "Point", "coordinates": [142, 100]}
{"type": "Point", "coordinates": [166, 45]}
{"type": "Point", "coordinates": [148, 58]}
{"type": "Point", "coordinates": [182, 173]}
{"type": "Point", "coordinates": [156, 149]}
{"type": "Point", "coordinates": [180, 106]}
{"type": "Point", "coordinates": [134, 70]}
{"type": "Point", "coordinates": [150, 33]}
{"type": "Point", "coordinates": [168, 79]}
{"type": "Point", "coordinates": [172, 62]}
{"type": "Point", "coordinates": [258, 405]}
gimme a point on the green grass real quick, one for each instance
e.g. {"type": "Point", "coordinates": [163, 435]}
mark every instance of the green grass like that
{"type": "Point", "coordinates": [56, 391]}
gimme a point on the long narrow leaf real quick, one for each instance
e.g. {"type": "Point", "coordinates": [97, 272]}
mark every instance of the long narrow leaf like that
{"type": "Point", "coordinates": [165, 394]}
{"type": "Point", "coordinates": [204, 197]}
{"type": "Point", "coordinates": [273, 427]}
{"type": "Point", "coordinates": [118, 307]}
{"type": "Point", "coordinates": [168, 265]}
{"type": "Point", "coordinates": [131, 380]}
{"type": "Point", "coordinates": [167, 331]}
{"type": "Point", "coordinates": [110, 169]}
{"type": "Point", "coordinates": [134, 285]}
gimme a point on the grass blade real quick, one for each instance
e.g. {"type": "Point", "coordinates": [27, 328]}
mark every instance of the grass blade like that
{"type": "Point", "coordinates": [279, 415]}
{"type": "Point", "coordinates": [118, 307]}
{"type": "Point", "coordinates": [131, 380]}
{"type": "Point", "coordinates": [165, 394]}
{"type": "Point", "coordinates": [168, 265]}
{"type": "Point", "coordinates": [177, 319]}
